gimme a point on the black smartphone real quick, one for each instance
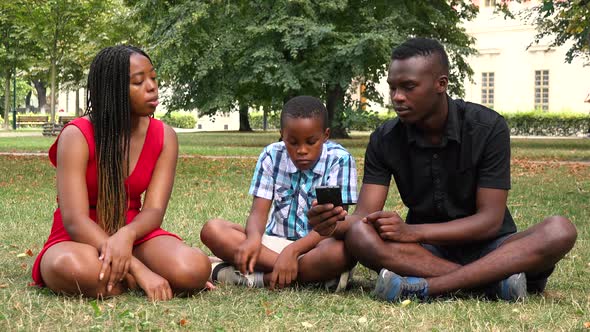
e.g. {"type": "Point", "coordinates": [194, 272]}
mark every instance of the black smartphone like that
{"type": "Point", "coordinates": [329, 194]}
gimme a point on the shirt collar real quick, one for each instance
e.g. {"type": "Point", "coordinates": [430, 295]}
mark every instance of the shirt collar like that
{"type": "Point", "coordinates": [452, 128]}
{"type": "Point", "coordinates": [317, 167]}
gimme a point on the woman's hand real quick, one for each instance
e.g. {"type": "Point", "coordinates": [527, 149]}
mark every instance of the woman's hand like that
{"type": "Point", "coordinates": [155, 287]}
{"type": "Point", "coordinates": [285, 269]}
{"type": "Point", "coordinates": [116, 252]}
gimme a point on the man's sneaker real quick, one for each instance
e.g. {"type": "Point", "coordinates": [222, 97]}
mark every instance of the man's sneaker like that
{"type": "Point", "coordinates": [338, 284]}
{"type": "Point", "coordinates": [392, 287]}
{"type": "Point", "coordinates": [225, 273]}
{"type": "Point", "coordinates": [512, 288]}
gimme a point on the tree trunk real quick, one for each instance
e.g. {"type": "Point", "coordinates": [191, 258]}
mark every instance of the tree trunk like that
{"type": "Point", "coordinates": [7, 99]}
{"type": "Point", "coordinates": [244, 121]}
{"type": "Point", "coordinates": [28, 101]}
{"type": "Point", "coordinates": [264, 118]}
{"type": "Point", "coordinates": [77, 106]}
{"type": "Point", "coordinates": [41, 94]}
{"type": "Point", "coordinates": [53, 92]}
{"type": "Point", "coordinates": [334, 105]}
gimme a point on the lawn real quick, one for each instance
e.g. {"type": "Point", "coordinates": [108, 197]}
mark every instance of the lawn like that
{"type": "Point", "coordinates": [208, 187]}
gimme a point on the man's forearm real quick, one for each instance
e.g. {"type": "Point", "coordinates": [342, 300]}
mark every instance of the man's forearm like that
{"type": "Point", "coordinates": [474, 228]}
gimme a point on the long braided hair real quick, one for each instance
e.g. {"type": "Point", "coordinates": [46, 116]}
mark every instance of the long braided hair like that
{"type": "Point", "coordinates": [109, 110]}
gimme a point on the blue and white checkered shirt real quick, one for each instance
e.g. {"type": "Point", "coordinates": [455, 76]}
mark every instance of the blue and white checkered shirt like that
{"type": "Point", "coordinates": [276, 178]}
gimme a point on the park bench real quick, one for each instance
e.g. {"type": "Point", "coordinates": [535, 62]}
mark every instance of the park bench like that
{"type": "Point", "coordinates": [31, 120]}
{"type": "Point", "coordinates": [53, 129]}
{"type": "Point", "coordinates": [64, 119]}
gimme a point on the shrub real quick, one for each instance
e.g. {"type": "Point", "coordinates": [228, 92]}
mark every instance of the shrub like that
{"type": "Point", "coordinates": [538, 123]}
{"type": "Point", "coordinates": [532, 123]}
{"type": "Point", "coordinates": [179, 120]}
{"type": "Point", "coordinates": [273, 120]}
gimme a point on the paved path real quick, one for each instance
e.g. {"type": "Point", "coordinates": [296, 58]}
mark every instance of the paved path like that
{"type": "Point", "coordinates": [191, 156]}
{"type": "Point", "coordinates": [10, 133]}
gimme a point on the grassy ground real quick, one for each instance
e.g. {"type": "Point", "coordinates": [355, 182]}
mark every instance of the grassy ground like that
{"type": "Point", "coordinates": [207, 188]}
{"type": "Point", "coordinates": [249, 144]}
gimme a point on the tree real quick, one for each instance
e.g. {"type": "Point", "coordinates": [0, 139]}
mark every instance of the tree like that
{"type": "Point", "coordinates": [222, 55]}
{"type": "Point", "coordinates": [564, 22]}
{"type": "Point", "coordinates": [62, 28]}
{"type": "Point", "coordinates": [15, 45]}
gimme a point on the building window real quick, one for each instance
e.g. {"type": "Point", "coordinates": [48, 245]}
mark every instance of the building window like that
{"type": "Point", "coordinates": [199, 126]}
{"type": "Point", "coordinates": [542, 90]}
{"type": "Point", "coordinates": [487, 89]}
{"type": "Point", "coordinates": [489, 3]}
{"type": "Point", "coordinates": [225, 127]}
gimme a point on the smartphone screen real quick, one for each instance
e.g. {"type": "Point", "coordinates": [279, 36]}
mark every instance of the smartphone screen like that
{"type": "Point", "coordinates": [329, 194]}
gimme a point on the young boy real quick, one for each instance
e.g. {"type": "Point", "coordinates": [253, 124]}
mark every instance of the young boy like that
{"type": "Point", "coordinates": [279, 248]}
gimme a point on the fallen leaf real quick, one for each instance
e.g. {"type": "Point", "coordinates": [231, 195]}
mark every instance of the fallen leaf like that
{"type": "Point", "coordinates": [406, 303]}
{"type": "Point", "coordinates": [515, 310]}
{"type": "Point", "coordinates": [29, 252]}
{"type": "Point", "coordinates": [3, 285]}
{"type": "Point", "coordinates": [22, 254]}
{"type": "Point", "coordinates": [363, 320]}
{"type": "Point", "coordinates": [23, 266]}
{"type": "Point", "coordinates": [183, 322]}
{"type": "Point", "coordinates": [587, 325]}
{"type": "Point", "coordinates": [307, 325]}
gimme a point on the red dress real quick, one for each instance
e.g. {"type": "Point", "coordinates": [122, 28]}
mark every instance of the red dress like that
{"type": "Point", "coordinates": [135, 184]}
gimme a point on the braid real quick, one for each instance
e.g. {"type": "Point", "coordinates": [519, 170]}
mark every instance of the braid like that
{"type": "Point", "coordinates": [109, 109]}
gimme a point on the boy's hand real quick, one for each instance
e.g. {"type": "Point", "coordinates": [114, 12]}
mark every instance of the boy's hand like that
{"type": "Point", "coordinates": [155, 287]}
{"type": "Point", "coordinates": [285, 269]}
{"type": "Point", "coordinates": [247, 255]}
{"type": "Point", "coordinates": [323, 217]}
{"type": "Point", "coordinates": [116, 252]}
{"type": "Point", "coordinates": [391, 227]}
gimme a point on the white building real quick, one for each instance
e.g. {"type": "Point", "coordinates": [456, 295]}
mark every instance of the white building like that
{"type": "Point", "coordinates": [508, 76]}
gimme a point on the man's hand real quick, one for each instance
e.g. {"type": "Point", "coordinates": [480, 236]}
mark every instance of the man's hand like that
{"type": "Point", "coordinates": [324, 217]}
{"type": "Point", "coordinates": [390, 227]}
{"type": "Point", "coordinates": [285, 269]}
{"type": "Point", "coordinates": [247, 254]}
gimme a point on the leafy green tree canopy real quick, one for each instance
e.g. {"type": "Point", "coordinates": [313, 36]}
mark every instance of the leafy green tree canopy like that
{"type": "Point", "coordinates": [565, 22]}
{"type": "Point", "coordinates": [215, 55]}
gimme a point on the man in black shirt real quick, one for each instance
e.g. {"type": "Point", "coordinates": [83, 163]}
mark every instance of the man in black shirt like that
{"type": "Point", "coordinates": [451, 163]}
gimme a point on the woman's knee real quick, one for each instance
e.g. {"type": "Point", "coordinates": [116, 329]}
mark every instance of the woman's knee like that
{"type": "Point", "coordinates": [75, 273]}
{"type": "Point", "coordinates": [189, 270]}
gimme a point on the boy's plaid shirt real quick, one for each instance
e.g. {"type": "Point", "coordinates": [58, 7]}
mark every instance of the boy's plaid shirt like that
{"type": "Point", "coordinates": [276, 178]}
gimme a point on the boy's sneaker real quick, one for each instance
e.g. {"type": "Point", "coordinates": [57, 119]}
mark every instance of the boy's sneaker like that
{"type": "Point", "coordinates": [338, 284]}
{"type": "Point", "coordinates": [225, 273]}
{"type": "Point", "coordinates": [512, 288]}
{"type": "Point", "coordinates": [392, 287]}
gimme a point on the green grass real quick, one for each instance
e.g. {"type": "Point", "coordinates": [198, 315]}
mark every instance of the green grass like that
{"type": "Point", "coordinates": [250, 144]}
{"type": "Point", "coordinates": [206, 188]}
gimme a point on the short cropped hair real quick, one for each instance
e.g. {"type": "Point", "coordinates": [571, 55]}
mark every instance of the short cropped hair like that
{"type": "Point", "coordinates": [305, 107]}
{"type": "Point", "coordinates": [422, 47]}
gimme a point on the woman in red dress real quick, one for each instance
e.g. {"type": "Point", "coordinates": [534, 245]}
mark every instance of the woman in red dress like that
{"type": "Point", "coordinates": [104, 240]}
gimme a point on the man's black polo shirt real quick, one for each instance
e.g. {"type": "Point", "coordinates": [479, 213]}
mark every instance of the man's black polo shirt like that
{"type": "Point", "coordinates": [439, 183]}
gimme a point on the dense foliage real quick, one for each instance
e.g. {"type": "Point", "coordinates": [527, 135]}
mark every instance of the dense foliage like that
{"type": "Point", "coordinates": [533, 123]}
{"type": "Point", "coordinates": [220, 55]}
